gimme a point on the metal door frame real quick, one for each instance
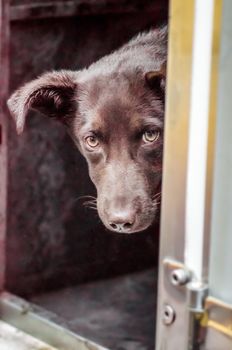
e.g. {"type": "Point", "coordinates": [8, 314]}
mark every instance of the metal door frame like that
{"type": "Point", "coordinates": [188, 317]}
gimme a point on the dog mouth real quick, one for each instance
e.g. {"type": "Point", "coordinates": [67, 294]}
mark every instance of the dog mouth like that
{"type": "Point", "coordinates": [123, 230]}
{"type": "Point", "coordinates": [139, 223]}
{"type": "Point", "coordinates": [125, 221]}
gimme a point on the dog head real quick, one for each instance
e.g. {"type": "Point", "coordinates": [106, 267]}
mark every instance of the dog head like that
{"type": "Point", "coordinates": [116, 121]}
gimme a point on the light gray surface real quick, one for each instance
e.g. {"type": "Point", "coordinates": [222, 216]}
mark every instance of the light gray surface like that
{"type": "Point", "coordinates": [221, 242]}
{"type": "Point", "coordinates": [42, 324]}
{"type": "Point", "coordinates": [118, 313]}
{"type": "Point", "coordinates": [220, 277]}
{"type": "Point", "coordinates": [13, 339]}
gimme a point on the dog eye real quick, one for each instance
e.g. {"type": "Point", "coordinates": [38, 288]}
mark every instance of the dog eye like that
{"type": "Point", "coordinates": [92, 141]}
{"type": "Point", "coordinates": [150, 136]}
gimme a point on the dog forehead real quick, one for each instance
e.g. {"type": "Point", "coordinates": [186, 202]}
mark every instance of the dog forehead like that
{"type": "Point", "coordinates": [112, 104]}
{"type": "Point", "coordinates": [125, 86]}
{"type": "Point", "coordinates": [114, 116]}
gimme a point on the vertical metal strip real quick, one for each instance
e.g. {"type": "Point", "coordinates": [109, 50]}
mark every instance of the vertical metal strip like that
{"type": "Point", "coordinates": [4, 78]}
{"type": "Point", "coordinates": [198, 135]}
{"type": "Point", "coordinates": [174, 172]}
{"type": "Point", "coordinates": [221, 241]}
{"type": "Point", "coordinates": [219, 335]}
{"type": "Point", "coordinates": [212, 133]}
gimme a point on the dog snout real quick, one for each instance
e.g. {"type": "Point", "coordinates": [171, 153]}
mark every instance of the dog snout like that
{"type": "Point", "coordinates": [122, 220]}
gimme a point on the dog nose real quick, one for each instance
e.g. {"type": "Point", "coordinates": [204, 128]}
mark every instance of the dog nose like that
{"type": "Point", "coordinates": [122, 221]}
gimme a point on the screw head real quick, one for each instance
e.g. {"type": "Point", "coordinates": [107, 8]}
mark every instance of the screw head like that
{"type": "Point", "coordinates": [180, 277]}
{"type": "Point", "coordinates": [169, 315]}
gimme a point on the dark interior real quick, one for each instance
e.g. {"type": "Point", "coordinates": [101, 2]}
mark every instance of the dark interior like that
{"type": "Point", "coordinates": [59, 255]}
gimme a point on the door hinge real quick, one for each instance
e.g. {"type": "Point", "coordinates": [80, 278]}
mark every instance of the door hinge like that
{"type": "Point", "coordinates": [195, 293]}
{"type": "Point", "coordinates": [203, 311]}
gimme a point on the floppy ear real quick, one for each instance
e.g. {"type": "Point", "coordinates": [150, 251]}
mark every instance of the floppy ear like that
{"type": "Point", "coordinates": [156, 80]}
{"type": "Point", "coordinates": [52, 94]}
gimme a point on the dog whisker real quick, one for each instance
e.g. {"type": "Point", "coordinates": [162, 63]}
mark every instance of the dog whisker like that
{"type": "Point", "coordinates": [91, 207]}
{"type": "Point", "coordinates": [93, 203]}
{"type": "Point", "coordinates": [157, 195]}
{"type": "Point", "coordinates": [88, 197]}
{"type": "Point", "coordinates": [91, 200]}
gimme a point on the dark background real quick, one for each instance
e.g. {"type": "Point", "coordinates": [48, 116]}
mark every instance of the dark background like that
{"type": "Point", "coordinates": [52, 240]}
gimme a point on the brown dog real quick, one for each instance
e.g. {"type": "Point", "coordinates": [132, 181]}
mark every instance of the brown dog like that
{"type": "Point", "coordinates": [114, 112]}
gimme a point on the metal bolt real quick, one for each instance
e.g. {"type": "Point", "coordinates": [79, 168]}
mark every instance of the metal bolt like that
{"type": "Point", "coordinates": [196, 295]}
{"type": "Point", "coordinates": [180, 277]}
{"type": "Point", "coordinates": [169, 315]}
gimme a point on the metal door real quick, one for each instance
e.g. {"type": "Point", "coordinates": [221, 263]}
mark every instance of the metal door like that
{"type": "Point", "coordinates": [195, 279]}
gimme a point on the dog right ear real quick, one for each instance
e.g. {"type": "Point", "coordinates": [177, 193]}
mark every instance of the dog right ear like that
{"type": "Point", "coordinates": [53, 94]}
{"type": "Point", "coordinates": [156, 80]}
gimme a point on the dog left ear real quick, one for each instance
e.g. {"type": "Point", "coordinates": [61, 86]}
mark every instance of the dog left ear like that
{"type": "Point", "coordinates": [51, 94]}
{"type": "Point", "coordinates": [156, 80]}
